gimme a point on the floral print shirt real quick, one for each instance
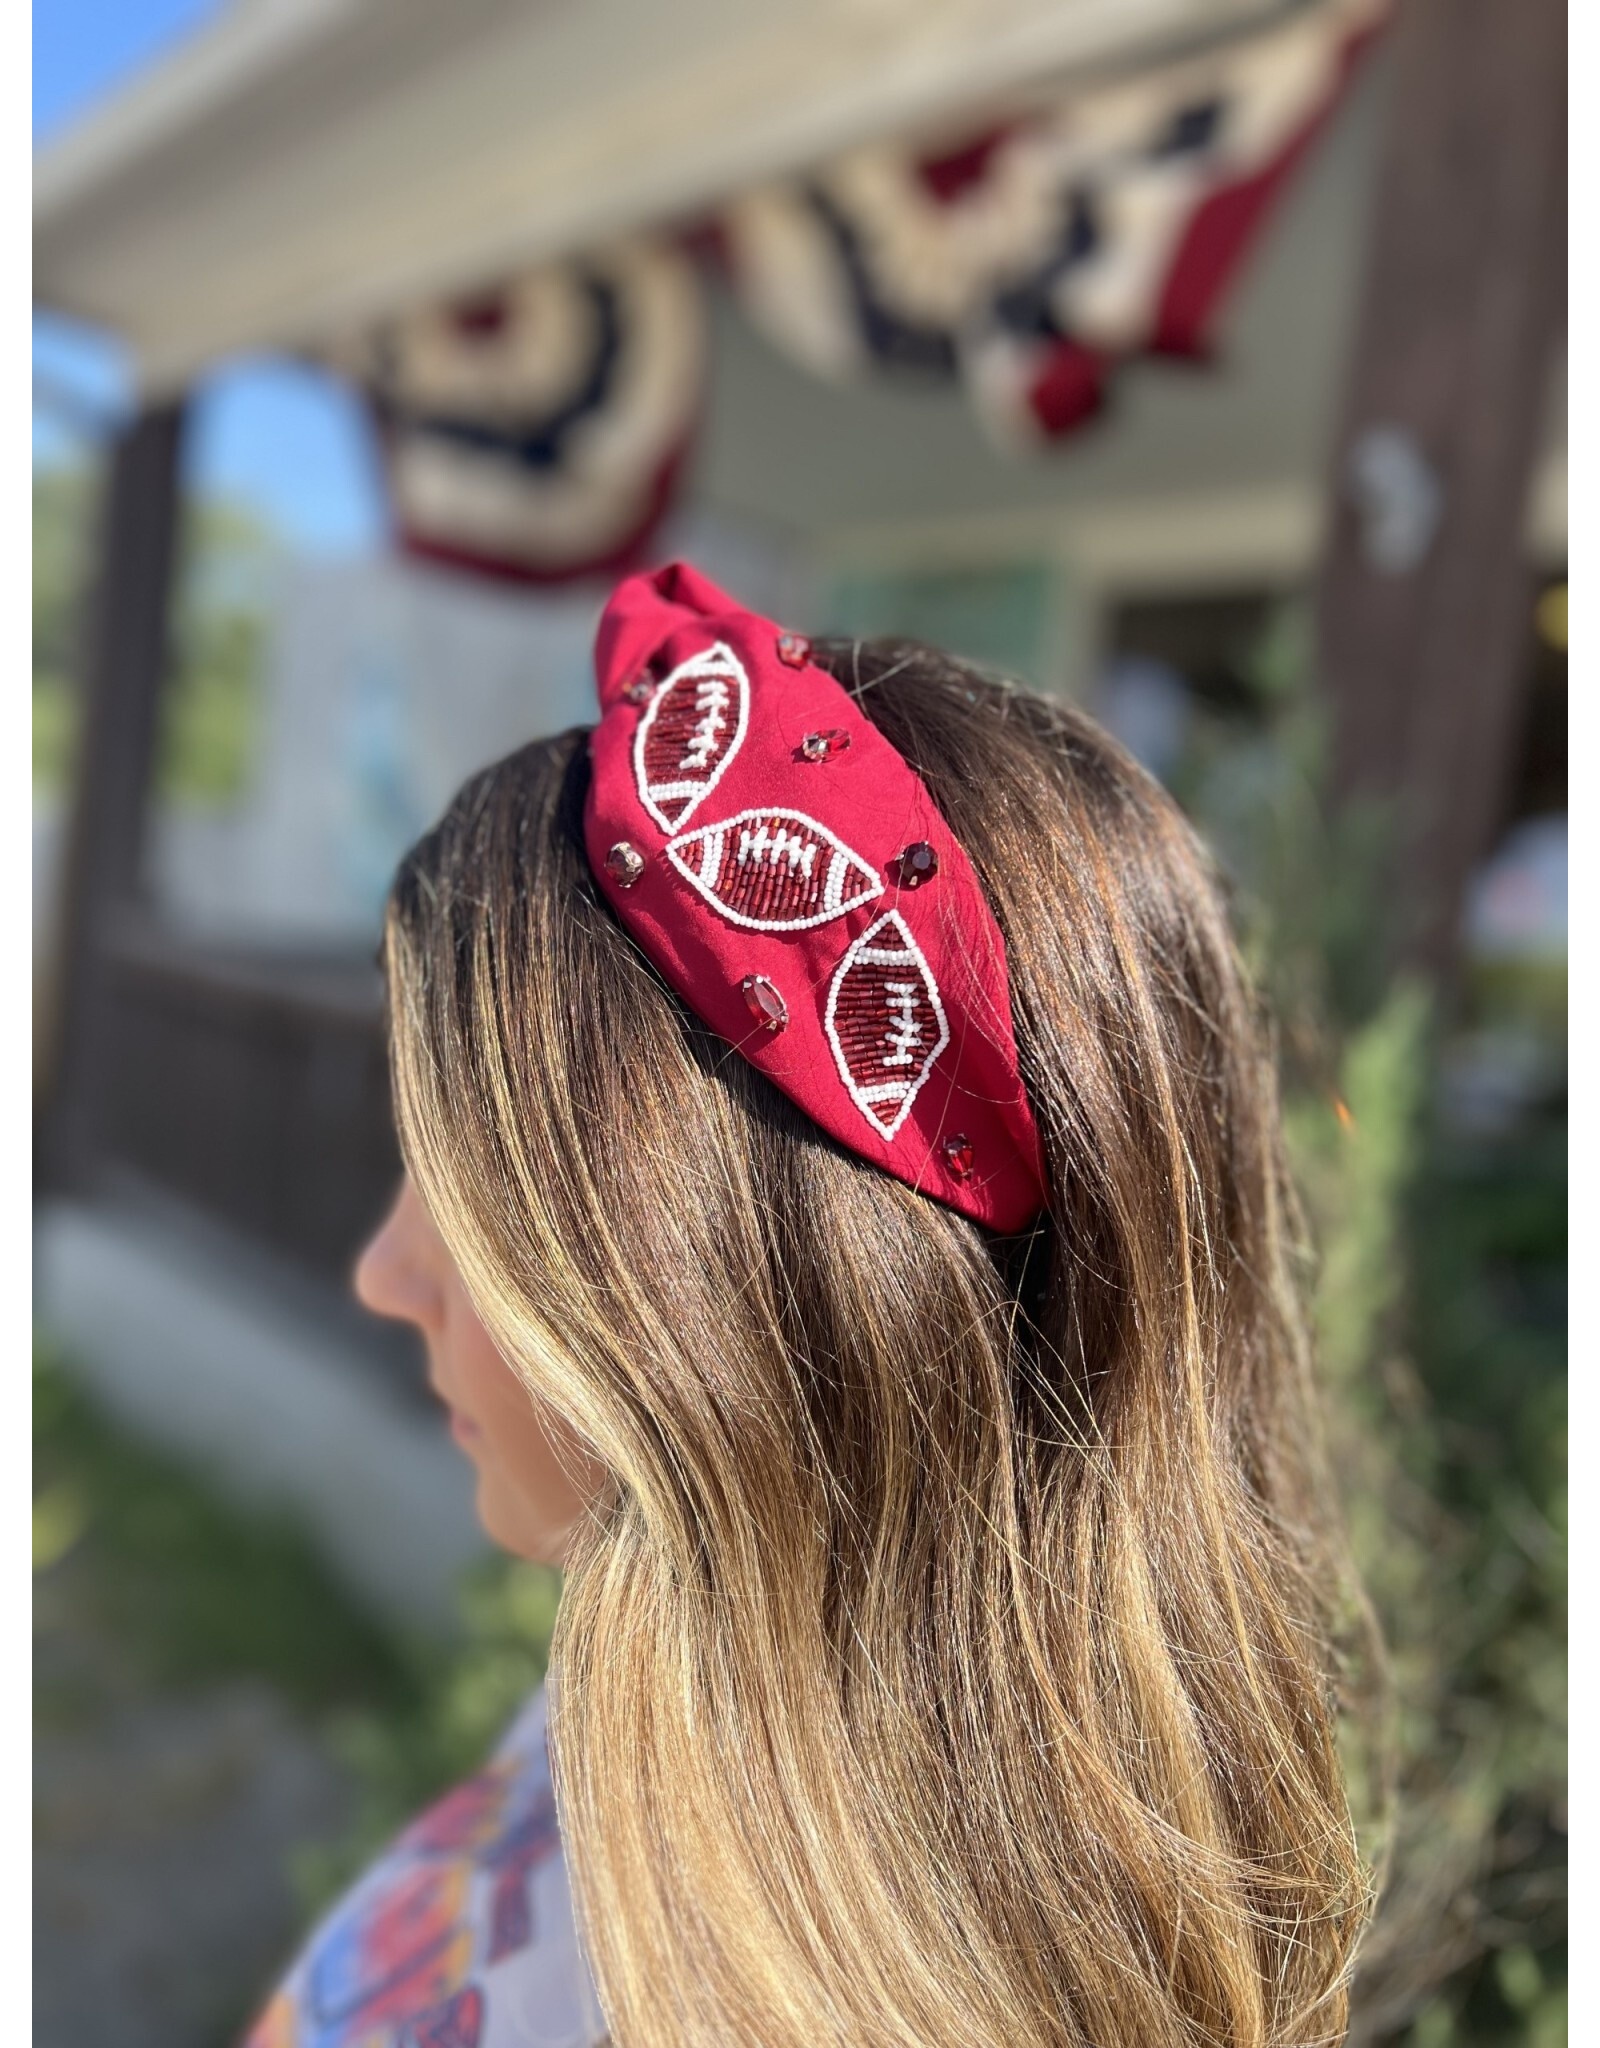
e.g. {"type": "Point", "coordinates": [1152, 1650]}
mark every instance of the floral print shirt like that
{"type": "Point", "coordinates": [460, 1936]}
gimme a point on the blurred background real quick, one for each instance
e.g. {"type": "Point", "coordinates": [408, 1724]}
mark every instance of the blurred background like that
{"type": "Point", "coordinates": [1201, 361]}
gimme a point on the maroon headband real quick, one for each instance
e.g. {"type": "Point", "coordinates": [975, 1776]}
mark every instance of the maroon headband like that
{"type": "Point", "coordinates": [788, 874]}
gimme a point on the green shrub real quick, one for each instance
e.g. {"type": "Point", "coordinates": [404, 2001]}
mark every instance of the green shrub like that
{"type": "Point", "coordinates": [133, 1545]}
{"type": "Point", "coordinates": [210, 711]}
{"type": "Point", "coordinates": [1440, 1308]}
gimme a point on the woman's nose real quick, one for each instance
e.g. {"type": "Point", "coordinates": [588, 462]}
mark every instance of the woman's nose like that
{"type": "Point", "coordinates": [393, 1276]}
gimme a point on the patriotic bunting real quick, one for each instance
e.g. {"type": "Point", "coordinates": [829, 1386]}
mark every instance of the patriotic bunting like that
{"type": "Point", "coordinates": [1033, 258]}
{"type": "Point", "coordinates": [537, 432]}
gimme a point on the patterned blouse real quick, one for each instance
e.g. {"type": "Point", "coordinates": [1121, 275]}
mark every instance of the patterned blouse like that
{"type": "Point", "coordinates": [461, 1935]}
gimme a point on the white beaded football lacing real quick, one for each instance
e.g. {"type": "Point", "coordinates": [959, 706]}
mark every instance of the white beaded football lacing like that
{"type": "Point", "coordinates": [905, 1033]}
{"type": "Point", "coordinates": [761, 845]}
{"type": "Point", "coordinates": [711, 701]}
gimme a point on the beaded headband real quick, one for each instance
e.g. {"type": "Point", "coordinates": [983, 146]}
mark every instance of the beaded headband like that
{"type": "Point", "coordinates": [788, 874]}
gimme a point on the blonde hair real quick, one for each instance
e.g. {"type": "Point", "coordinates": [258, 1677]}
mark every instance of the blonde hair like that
{"type": "Point", "coordinates": [950, 1658]}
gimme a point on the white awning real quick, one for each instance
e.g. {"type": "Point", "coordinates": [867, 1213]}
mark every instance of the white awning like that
{"type": "Point", "coordinates": [307, 163]}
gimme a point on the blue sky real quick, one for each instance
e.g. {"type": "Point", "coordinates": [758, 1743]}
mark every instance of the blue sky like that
{"type": "Point", "coordinates": [284, 438]}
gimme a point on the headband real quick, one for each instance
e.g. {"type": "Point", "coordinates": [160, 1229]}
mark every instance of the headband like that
{"type": "Point", "coordinates": [788, 874]}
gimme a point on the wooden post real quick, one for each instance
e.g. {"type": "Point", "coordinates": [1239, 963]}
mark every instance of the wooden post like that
{"type": "Point", "coordinates": [1425, 598]}
{"type": "Point", "coordinates": [125, 651]}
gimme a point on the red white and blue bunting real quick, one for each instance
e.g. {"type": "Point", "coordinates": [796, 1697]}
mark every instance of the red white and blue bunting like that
{"type": "Point", "coordinates": [537, 433]}
{"type": "Point", "coordinates": [1033, 259]}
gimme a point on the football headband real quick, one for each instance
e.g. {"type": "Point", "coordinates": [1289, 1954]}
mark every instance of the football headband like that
{"type": "Point", "coordinates": [788, 874]}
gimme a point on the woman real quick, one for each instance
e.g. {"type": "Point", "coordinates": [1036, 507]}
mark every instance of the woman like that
{"type": "Point", "coordinates": [846, 1208]}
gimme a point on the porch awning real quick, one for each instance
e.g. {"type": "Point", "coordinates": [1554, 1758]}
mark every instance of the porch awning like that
{"type": "Point", "coordinates": [307, 165]}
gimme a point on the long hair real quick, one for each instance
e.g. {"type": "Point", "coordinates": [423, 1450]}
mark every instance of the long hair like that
{"type": "Point", "coordinates": [949, 1660]}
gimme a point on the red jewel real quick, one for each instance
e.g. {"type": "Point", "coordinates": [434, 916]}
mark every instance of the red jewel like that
{"type": "Point", "coordinates": [957, 1151]}
{"type": "Point", "coordinates": [794, 650]}
{"type": "Point", "coordinates": [916, 864]}
{"type": "Point", "coordinates": [764, 1003]}
{"type": "Point", "coordinates": [640, 689]}
{"type": "Point", "coordinates": [818, 746]}
{"type": "Point", "coordinates": [625, 864]}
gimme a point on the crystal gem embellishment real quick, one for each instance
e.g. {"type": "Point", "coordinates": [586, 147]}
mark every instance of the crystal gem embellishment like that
{"type": "Point", "coordinates": [624, 864]}
{"type": "Point", "coordinates": [773, 870]}
{"type": "Point", "coordinates": [640, 690]}
{"type": "Point", "coordinates": [692, 728]}
{"type": "Point", "coordinates": [822, 746]}
{"type": "Point", "coordinates": [916, 864]}
{"type": "Point", "coordinates": [957, 1150]}
{"type": "Point", "coordinates": [794, 650]}
{"type": "Point", "coordinates": [886, 1023]}
{"type": "Point", "coordinates": [765, 1003]}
